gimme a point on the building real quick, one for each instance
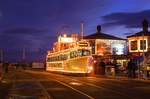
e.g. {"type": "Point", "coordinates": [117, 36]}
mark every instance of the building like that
{"type": "Point", "coordinates": [140, 41]}
{"type": "Point", "coordinates": [109, 47]}
{"type": "Point", "coordinates": [104, 44]}
{"type": "Point", "coordinates": [139, 47]}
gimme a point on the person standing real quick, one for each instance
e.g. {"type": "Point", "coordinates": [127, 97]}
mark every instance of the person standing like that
{"type": "Point", "coordinates": [102, 65]}
{"type": "Point", "coordinates": [133, 69]}
{"type": "Point", "coordinates": [129, 68]}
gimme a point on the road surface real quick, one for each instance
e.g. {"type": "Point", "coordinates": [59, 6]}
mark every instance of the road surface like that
{"type": "Point", "coordinates": [28, 84]}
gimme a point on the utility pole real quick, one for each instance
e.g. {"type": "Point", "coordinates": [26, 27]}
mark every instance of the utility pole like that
{"type": "Point", "coordinates": [23, 58]}
{"type": "Point", "coordinates": [145, 30]}
{"type": "Point", "coordinates": [23, 54]}
{"type": "Point", "coordinates": [82, 29]}
{"type": "Point", "coordinates": [143, 54]}
{"type": "Point", "coordinates": [1, 55]}
{"type": "Point", "coordinates": [1, 65]}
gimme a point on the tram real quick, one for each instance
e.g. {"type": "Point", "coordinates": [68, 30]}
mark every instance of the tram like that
{"type": "Point", "coordinates": [70, 55]}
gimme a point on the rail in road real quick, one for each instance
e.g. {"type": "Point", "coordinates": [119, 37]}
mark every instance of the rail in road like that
{"type": "Point", "coordinates": [63, 87]}
{"type": "Point", "coordinates": [72, 82]}
{"type": "Point", "coordinates": [33, 82]}
{"type": "Point", "coordinates": [27, 85]}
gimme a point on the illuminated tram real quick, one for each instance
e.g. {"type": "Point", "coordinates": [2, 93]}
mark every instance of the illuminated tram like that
{"type": "Point", "coordinates": [69, 55]}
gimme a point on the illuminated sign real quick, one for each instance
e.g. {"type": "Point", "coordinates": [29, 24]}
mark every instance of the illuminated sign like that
{"type": "Point", "coordinates": [83, 44]}
{"type": "Point", "coordinates": [65, 40]}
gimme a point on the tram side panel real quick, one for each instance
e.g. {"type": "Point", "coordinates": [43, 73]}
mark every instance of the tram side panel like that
{"type": "Point", "coordinates": [54, 66]}
{"type": "Point", "coordinates": [76, 65]}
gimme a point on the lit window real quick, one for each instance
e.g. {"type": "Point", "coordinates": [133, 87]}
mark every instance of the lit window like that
{"type": "Point", "coordinates": [133, 45]}
{"type": "Point", "coordinates": [142, 44]}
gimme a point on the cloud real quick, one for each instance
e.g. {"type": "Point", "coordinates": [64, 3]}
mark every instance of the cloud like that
{"type": "Point", "coordinates": [130, 20]}
{"type": "Point", "coordinates": [25, 31]}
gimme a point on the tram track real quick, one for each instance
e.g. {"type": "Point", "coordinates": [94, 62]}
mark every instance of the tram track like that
{"type": "Point", "coordinates": [89, 84]}
{"type": "Point", "coordinates": [67, 85]}
{"type": "Point", "coordinates": [100, 87]}
{"type": "Point", "coordinates": [45, 94]}
{"type": "Point", "coordinates": [36, 80]}
{"type": "Point", "coordinates": [76, 90]}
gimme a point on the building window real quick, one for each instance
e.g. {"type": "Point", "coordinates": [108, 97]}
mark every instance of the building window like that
{"type": "Point", "coordinates": [133, 45]}
{"type": "Point", "coordinates": [142, 44]}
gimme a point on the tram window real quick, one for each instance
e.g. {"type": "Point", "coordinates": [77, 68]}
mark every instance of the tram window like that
{"type": "Point", "coordinates": [85, 52]}
{"type": "Point", "coordinates": [51, 58]}
{"type": "Point", "coordinates": [79, 53]}
{"type": "Point", "coordinates": [48, 59]}
{"type": "Point", "coordinates": [55, 58]}
{"type": "Point", "coordinates": [59, 58]}
{"type": "Point", "coordinates": [65, 56]}
{"type": "Point", "coordinates": [76, 53]}
{"type": "Point", "coordinates": [73, 54]}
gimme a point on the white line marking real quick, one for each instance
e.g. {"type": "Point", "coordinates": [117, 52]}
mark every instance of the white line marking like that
{"type": "Point", "coordinates": [90, 97]}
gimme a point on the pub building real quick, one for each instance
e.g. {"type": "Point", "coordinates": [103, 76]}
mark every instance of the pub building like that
{"type": "Point", "coordinates": [139, 42]}
{"type": "Point", "coordinates": [108, 48]}
{"type": "Point", "coordinates": [139, 46]}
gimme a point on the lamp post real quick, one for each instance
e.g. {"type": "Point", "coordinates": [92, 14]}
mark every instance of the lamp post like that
{"type": "Point", "coordinates": [1, 64]}
{"type": "Point", "coordinates": [145, 30]}
{"type": "Point", "coordinates": [143, 43]}
{"type": "Point", "coordinates": [1, 55]}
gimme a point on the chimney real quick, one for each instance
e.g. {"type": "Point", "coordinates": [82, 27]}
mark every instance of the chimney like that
{"type": "Point", "coordinates": [145, 25]}
{"type": "Point", "coordinates": [98, 28]}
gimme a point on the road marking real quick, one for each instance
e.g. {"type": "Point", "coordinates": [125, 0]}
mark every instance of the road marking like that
{"type": "Point", "coordinates": [100, 87]}
{"type": "Point", "coordinates": [90, 84]}
{"type": "Point", "coordinates": [45, 93]}
{"type": "Point", "coordinates": [90, 97]}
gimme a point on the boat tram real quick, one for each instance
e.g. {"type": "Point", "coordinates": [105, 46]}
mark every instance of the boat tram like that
{"type": "Point", "coordinates": [70, 55]}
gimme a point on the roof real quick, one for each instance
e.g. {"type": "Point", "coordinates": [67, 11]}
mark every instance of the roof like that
{"type": "Point", "coordinates": [141, 33]}
{"type": "Point", "coordinates": [102, 36]}
{"type": "Point", "coordinates": [144, 31]}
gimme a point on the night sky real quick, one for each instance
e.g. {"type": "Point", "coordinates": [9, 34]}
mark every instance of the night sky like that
{"type": "Point", "coordinates": [35, 24]}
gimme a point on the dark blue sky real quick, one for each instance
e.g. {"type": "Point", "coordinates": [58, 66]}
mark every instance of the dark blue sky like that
{"type": "Point", "coordinates": [34, 24]}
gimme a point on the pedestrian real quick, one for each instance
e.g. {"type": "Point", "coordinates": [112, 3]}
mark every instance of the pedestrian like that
{"type": "Point", "coordinates": [102, 65]}
{"type": "Point", "coordinates": [129, 68]}
{"type": "Point", "coordinates": [115, 66]}
{"type": "Point", "coordinates": [133, 69]}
